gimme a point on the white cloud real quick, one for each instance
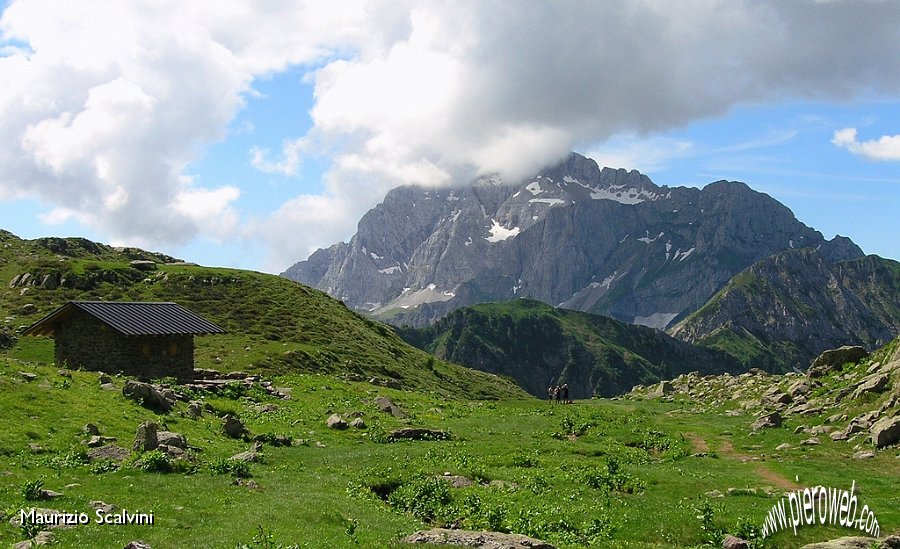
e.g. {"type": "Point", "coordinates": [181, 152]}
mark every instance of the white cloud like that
{"type": "Point", "coordinates": [645, 155]}
{"type": "Point", "coordinates": [103, 105]}
{"type": "Point", "coordinates": [887, 147]}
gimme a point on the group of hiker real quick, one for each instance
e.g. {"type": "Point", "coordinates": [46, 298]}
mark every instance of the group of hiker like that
{"type": "Point", "coordinates": [559, 394]}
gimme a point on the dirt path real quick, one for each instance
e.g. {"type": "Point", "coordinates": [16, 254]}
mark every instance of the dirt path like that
{"type": "Point", "coordinates": [699, 443]}
{"type": "Point", "coordinates": [727, 451]}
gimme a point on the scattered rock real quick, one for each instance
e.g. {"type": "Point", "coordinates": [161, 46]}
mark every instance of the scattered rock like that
{"type": "Point", "coordinates": [91, 430]}
{"type": "Point", "coordinates": [661, 389]}
{"type": "Point", "coordinates": [358, 423]}
{"type": "Point", "coordinates": [108, 453]}
{"type": "Point", "coordinates": [168, 438]}
{"type": "Point", "coordinates": [885, 431]}
{"type": "Point", "coordinates": [732, 542]}
{"type": "Point", "coordinates": [482, 540]}
{"type": "Point", "coordinates": [250, 456]}
{"type": "Point", "coordinates": [864, 454]}
{"type": "Point", "coordinates": [47, 521]}
{"type": "Point", "coordinates": [810, 442]}
{"type": "Point", "coordinates": [842, 543]}
{"type": "Point", "coordinates": [145, 437]}
{"type": "Point", "coordinates": [388, 406]}
{"type": "Point", "coordinates": [99, 440]}
{"type": "Point", "coordinates": [335, 421]}
{"type": "Point", "coordinates": [714, 494]}
{"type": "Point", "coordinates": [833, 359]}
{"type": "Point", "coordinates": [49, 494]}
{"type": "Point", "coordinates": [771, 420]}
{"type": "Point", "coordinates": [28, 376]}
{"type": "Point", "coordinates": [149, 396]}
{"type": "Point", "coordinates": [143, 265]}
{"type": "Point", "coordinates": [418, 433]}
{"type": "Point", "coordinates": [102, 506]}
{"type": "Point", "coordinates": [195, 409]}
{"type": "Point", "coordinates": [137, 544]}
{"type": "Point", "coordinates": [42, 538]}
{"type": "Point", "coordinates": [234, 428]}
{"type": "Point", "coordinates": [64, 373]}
{"type": "Point", "coordinates": [104, 379]}
{"type": "Point", "coordinates": [775, 396]}
{"type": "Point", "coordinates": [783, 447]}
{"type": "Point", "coordinates": [456, 481]}
{"type": "Point", "coordinates": [876, 383]}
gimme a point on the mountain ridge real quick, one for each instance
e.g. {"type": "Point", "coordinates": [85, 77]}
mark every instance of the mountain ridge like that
{"type": "Point", "coordinates": [538, 345]}
{"type": "Point", "coordinates": [597, 240]}
{"type": "Point", "coordinates": [785, 309]}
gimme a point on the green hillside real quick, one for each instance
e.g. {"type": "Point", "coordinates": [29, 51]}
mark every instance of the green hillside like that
{"type": "Point", "coordinates": [783, 311]}
{"type": "Point", "coordinates": [537, 345]}
{"type": "Point", "coordinates": [274, 325]}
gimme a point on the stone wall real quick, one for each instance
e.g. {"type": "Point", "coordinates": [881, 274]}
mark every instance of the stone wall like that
{"type": "Point", "coordinates": [84, 342]}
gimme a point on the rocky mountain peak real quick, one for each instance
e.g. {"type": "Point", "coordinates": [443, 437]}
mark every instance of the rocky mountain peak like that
{"type": "Point", "coordinates": [608, 241]}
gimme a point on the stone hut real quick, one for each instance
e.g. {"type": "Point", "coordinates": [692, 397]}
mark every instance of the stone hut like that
{"type": "Point", "coordinates": [146, 340]}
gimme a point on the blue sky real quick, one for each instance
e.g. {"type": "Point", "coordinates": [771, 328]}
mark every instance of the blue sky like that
{"type": "Point", "coordinates": [248, 138]}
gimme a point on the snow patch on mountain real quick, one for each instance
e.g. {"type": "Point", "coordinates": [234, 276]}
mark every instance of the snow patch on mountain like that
{"type": "Point", "coordinates": [499, 232]}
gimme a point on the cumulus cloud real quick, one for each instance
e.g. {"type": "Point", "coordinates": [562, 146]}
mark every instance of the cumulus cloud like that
{"type": "Point", "coordinates": [106, 104]}
{"type": "Point", "coordinates": [887, 147]}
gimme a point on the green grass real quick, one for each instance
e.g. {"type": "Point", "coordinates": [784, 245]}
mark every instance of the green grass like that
{"type": "Point", "coordinates": [600, 473]}
{"type": "Point", "coordinates": [627, 479]}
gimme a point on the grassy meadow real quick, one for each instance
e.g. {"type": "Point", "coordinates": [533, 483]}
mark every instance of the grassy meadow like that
{"type": "Point", "coordinates": [602, 473]}
{"type": "Point", "coordinates": [596, 473]}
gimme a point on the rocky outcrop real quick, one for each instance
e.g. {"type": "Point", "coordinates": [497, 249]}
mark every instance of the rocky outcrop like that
{"type": "Point", "coordinates": [886, 431]}
{"type": "Point", "coordinates": [418, 433]}
{"type": "Point", "coordinates": [470, 538]}
{"type": "Point", "coordinates": [604, 241]}
{"type": "Point", "coordinates": [151, 396]}
{"type": "Point", "coordinates": [833, 359]}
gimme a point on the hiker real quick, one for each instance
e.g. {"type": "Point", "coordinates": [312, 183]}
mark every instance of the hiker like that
{"type": "Point", "coordinates": [557, 393]}
{"type": "Point", "coordinates": [550, 396]}
{"type": "Point", "coordinates": [565, 394]}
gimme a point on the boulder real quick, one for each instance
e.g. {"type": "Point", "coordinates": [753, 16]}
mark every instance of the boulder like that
{"type": "Point", "coordinates": [661, 389]}
{"type": "Point", "coordinates": [43, 537]}
{"type": "Point", "coordinates": [470, 538]}
{"type": "Point", "coordinates": [195, 409]}
{"type": "Point", "coordinates": [149, 396]}
{"type": "Point", "coordinates": [851, 542]}
{"type": "Point", "coordinates": [875, 383]}
{"type": "Point", "coordinates": [108, 453]}
{"type": "Point", "coordinates": [137, 544]}
{"type": "Point", "coordinates": [833, 359]}
{"type": "Point", "coordinates": [417, 433]}
{"type": "Point", "coordinates": [388, 406]}
{"type": "Point", "coordinates": [143, 265]}
{"type": "Point", "coordinates": [732, 542]}
{"type": "Point", "coordinates": [885, 431]}
{"type": "Point", "coordinates": [358, 423]}
{"type": "Point", "coordinates": [335, 421]}
{"type": "Point", "coordinates": [864, 454]}
{"type": "Point", "coordinates": [168, 438]}
{"type": "Point", "coordinates": [145, 437]}
{"type": "Point", "coordinates": [234, 428]}
{"type": "Point", "coordinates": [771, 420]}
{"type": "Point", "coordinates": [775, 396]}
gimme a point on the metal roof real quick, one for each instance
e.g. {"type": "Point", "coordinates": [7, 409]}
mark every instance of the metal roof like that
{"type": "Point", "coordinates": [131, 318]}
